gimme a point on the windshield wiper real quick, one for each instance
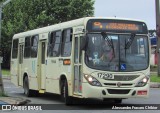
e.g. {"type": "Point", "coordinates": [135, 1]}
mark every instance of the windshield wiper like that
{"type": "Point", "coordinates": [129, 43]}
{"type": "Point", "coordinates": [109, 41]}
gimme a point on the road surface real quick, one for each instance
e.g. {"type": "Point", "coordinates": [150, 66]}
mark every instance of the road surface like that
{"type": "Point", "coordinates": [89, 106]}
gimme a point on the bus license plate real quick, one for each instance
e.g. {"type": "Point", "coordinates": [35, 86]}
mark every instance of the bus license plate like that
{"type": "Point", "coordinates": [106, 76]}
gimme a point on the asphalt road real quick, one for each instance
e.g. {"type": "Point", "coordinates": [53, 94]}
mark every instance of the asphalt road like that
{"type": "Point", "coordinates": [89, 106]}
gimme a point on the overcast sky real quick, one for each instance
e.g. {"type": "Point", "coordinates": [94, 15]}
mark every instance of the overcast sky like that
{"type": "Point", "coordinates": [136, 9]}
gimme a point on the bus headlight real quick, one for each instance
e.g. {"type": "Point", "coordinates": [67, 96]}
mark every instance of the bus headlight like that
{"type": "Point", "coordinates": [142, 82]}
{"type": "Point", "coordinates": [92, 81]}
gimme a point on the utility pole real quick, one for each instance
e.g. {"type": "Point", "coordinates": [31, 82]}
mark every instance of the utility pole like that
{"type": "Point", "coordinates": [1, 81]}
{"type": "Point", "coordinates": [157, 4]}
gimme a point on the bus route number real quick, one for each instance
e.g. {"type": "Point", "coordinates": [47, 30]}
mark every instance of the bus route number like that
{"type": "Point", "coordinates": [106, 76]}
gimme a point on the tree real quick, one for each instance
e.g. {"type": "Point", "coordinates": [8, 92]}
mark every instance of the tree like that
{"type": "Point", "coordinates": [23, 15]}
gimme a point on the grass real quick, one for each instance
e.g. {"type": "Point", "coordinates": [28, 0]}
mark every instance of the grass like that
{"type": "Point", "coordinates": [5, 72]}
{"type": "Point", "coordinates": [3, 95]}
{"type": "Point", "coordinates": [155, 78]}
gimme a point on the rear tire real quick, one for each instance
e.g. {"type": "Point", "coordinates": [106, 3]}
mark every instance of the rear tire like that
{"type": "Point", "coordinates": [64, 93]}
{"type": "Point", "coordinates": [27, 91]}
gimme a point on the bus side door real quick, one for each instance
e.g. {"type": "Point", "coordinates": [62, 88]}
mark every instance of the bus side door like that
{"type": "Point", "coordinates": [20, 64]}
{"type": "Point", "coordinates": [14, 62]}
{"type": "Point", "coordinates": [77, 65]}
{"type": "Point", "coordinates": [42, 63]}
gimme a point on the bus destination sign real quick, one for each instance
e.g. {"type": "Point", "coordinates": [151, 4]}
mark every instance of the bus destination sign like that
{"type": "Point", "coordinates": [115, 26]}
{"type": "Point", "coordinates": [118, 26]}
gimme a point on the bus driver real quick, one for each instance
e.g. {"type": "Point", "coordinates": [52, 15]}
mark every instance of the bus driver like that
{"type": "Point", "coordinates": [107, 52]}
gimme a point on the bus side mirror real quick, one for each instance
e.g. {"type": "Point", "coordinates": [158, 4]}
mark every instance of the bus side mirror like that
{"type": "Point", "coordinates": [83, 43]}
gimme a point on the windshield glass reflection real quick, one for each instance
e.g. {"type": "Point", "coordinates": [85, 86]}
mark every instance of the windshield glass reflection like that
{"type": "Point", "coordinates": [114, 56]}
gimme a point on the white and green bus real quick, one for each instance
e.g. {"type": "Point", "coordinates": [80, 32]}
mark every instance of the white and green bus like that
{"type": "Point", "coordinates": [103, 58]}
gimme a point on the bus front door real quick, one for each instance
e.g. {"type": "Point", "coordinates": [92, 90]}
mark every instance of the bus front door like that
{"type": "Point", "coordinates": [77, 66]}
{"type": "Point", "coordinates": [20, 64]}
{"type": "Point", "coordinates": [42, 66]}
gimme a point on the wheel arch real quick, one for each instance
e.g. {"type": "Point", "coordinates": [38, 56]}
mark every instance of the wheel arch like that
{"type": "Point", "coordinates": [24, 75]}
{"type": "Point", "coordinates": [61, 79]}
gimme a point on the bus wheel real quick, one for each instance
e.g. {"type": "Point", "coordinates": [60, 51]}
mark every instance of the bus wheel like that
{"type": "Point", "coordinates": [118, 101]}
{"type": "Point", "coordinates": [64, 93]}
{"type": "Point", "coordinates": [27, 91]}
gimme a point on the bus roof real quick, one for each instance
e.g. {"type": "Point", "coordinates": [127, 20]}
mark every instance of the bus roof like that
{"type": "Point", "coordinates": [63, 25]}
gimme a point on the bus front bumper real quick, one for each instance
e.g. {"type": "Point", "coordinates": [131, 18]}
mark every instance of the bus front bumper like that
{"type": "Point", "coordinates": [89, 91]}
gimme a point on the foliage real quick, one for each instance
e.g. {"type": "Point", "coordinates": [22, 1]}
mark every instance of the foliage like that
{"type": "Point", "coordinates": [5, 72]}
{"type": "Point", "coordinates": [154, 68]}
{"type": "Point", "coordinates": [155, 78]}
{"type": "Point", "coordinates": [23, 15]}
{"type": "Point", "coordinates": [3, 94]}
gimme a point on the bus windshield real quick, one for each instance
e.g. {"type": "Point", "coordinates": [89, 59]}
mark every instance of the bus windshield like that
{"type": "Point", "coordinates": [115, 56]}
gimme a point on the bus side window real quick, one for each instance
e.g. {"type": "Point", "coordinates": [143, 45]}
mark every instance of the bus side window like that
{"type": "Point", "coordinates": [54, 44]}
{"type": "Point", "coordinates": [34, 46]}
{"type": "Point", "coordinates": [66, 42]}
{"type": "Point", "coordinates": [15, 48]}
{"type": "Point", "coordinates": [27, 50]}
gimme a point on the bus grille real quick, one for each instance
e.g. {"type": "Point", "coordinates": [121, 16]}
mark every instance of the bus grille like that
{"type": "Point", "coordinates": [114, 84]}
{"type": "Point", "coordinates": [116, 91]}
{"type": "Point", "coordinates": [124, 77]}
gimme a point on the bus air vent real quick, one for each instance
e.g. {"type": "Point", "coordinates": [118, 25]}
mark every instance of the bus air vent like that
{"type": "Point", "coordinates": [114, 84]}
{"type": "Point", "coordinates": [117, 91]}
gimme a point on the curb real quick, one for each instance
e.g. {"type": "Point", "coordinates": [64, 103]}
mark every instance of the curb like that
{"type": "Point", "coordinates": [154, 85]}
{"type": "Point", "coordinates": [6, 77]}
{"type": "Point", "coordinates": [153, 72]}
{"type": "Point", "coordinates": [14, 100]}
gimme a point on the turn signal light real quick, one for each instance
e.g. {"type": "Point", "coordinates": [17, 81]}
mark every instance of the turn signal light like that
{"type": "Point", "coordinates": [66, 62]}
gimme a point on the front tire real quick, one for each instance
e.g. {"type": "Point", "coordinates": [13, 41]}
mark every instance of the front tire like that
{"type": "Point", "coordinates": [64, 94]}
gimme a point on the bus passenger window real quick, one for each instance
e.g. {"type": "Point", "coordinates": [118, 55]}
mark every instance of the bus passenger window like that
{"type": "Point", "coordinates": [67, 42]}
{"type": "Point", "coordinates": [27, 50]}
{"type": "Point", "coordinates": [54, 44]}
{"type": "Point", "coordinates": [34, 46]}
{"type": "Point", "coordinates": [15, 48]}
